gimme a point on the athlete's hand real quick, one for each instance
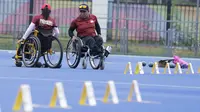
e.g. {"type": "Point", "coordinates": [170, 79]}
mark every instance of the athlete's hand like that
{"type": "Point", "coordinates": [74, 38]}
{"type": "Point", "coordinates": [20, 40]}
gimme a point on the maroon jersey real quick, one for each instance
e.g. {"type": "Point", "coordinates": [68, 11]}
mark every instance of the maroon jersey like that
{"type": "Point", "coordinates": [39, 21]}
{"type": "Point", "coordinates": [85, 27]}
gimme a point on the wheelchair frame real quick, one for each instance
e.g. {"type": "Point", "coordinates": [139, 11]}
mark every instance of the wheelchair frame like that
{"type": "Point", "coordinates": [86, 54]}
{"type": "Point", "coordinates": [34, 36]}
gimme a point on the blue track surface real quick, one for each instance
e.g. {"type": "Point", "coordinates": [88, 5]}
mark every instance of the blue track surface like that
{"type": "Point", "coordinates": [166, 93]}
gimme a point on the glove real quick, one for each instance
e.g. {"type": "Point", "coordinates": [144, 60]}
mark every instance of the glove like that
{"type": "Point", "coordinates": [74, 38]}
{"type": "Point", "coordinates": [20, 40]}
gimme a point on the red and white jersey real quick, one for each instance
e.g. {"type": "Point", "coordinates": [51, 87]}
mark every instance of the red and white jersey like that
{"type": "Point", "coordinates": [39, 21]}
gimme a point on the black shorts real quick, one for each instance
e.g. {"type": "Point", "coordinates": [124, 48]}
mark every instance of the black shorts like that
{"type": "Point", "coordinates": [46, 43]}
{"type": "Point", "coordinates": [92, 41]}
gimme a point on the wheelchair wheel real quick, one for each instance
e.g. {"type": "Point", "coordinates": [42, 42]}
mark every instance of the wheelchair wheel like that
{"type": "Point", "coordinates": [31, 51]}
{"type": "Point", "coordinates": [94, 62]}
{"type": "Point", "coordinates": [97, 62]}
{"type": "Point", "coordinates": [53, 57]}
{"type": "Point", "coordinates": [74, 50]}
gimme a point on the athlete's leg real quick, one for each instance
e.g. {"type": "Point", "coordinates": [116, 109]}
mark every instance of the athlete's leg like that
{"type": "Point", "coordinates": [90, 42]}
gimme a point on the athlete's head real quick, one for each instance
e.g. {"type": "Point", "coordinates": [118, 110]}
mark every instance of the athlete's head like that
{"type": "Point", "coordinates": [84, 11]}
{"type": "Point", "coordinates": [46, 10]}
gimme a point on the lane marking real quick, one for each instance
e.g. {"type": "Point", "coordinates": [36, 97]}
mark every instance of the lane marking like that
{"type": "Point", "coordinates": [101, 82]}
{"type": "Point", "coordinates": [130, 56]}
{"type": "Point", "coordinates": [143, 101]}
{"type": "Point", "coordinates": [0, 108]}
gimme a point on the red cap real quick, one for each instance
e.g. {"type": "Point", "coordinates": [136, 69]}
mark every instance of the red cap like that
{"type": "Point", "coordinates": [46, 5]}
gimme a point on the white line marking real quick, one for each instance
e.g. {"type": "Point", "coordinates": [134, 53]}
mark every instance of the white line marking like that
{"type": "Point", "coordinates": [147, 57]}
{"type": "Point", "coordinates": [101, 82]}
{"type": "Point", "coordinates": [130, 56]}
{"type": "Point", "coordinates": [144, 101]}
{"type": "Point", "coordinates": [171, 86]}
{"type": "Point", "coordinates": [47, 106]}
{"type": "Point", "coordinates": [0, 108]}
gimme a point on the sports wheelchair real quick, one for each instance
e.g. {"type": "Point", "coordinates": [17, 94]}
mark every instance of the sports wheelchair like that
{"type": "Point", "coordinates": [78, 50]}
{"type": "Point", "coordinates": [29, 51]}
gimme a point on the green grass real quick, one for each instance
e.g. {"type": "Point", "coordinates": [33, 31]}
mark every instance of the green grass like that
{"type": "Point", "coordinates": [6, 43]}
{"type": "Point", "coordinates": [133, 49]}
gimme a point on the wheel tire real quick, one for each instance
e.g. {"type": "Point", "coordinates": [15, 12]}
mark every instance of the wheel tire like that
{"type": "Point", "coordinates": [59, 66]}
{"type": "Point", "coordinates": [92, 64]}
{"type": "Point", "coordinates": [74, 65]}
{"type": "Point", "coordinates": [46, 58]}
{"type": "Point", "coordinates": [36, 59]}
{"type": "Point", "coordinates": [18, 64]}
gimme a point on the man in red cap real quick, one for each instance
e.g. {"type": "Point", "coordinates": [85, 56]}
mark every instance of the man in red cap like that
{"type": "Point", "coordinates": [86, 24]}
{"type": "Point", "coordinates": [43, 23]}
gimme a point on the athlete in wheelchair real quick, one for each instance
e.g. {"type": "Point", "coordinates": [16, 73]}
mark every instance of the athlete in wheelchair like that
{"type": "Point", "coordinates": [38, 40]}
{"type": "Point", "coordinates": [86, 44]}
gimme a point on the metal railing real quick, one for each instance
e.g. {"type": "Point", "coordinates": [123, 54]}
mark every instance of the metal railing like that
{"type": "Point", "coordinates": [131, 24]}
{"type": "Point", "coordinates": [166, 24]}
